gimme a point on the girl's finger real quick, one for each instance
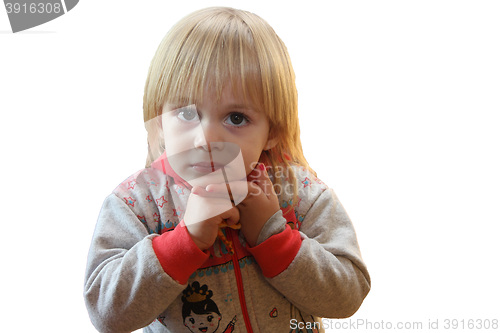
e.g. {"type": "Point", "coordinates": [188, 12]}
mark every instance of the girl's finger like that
{"type": "Point", "coordinates": [198, 190]}
{"type": "Point", "coordinates": [232, 216]}
{"type": "Point", "coordinates": [216, 191]}
{"type": "Point", "coordinates": [217, 188]}
{"type": "Point", "coordinates": [236, 190]}
{"type": "Point", "coordinates": [260, 177]}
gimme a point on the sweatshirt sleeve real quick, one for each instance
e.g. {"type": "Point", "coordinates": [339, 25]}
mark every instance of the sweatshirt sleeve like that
{"type": "Point", "coordinates": [280, 240]}
{"type": "Point", "coordinates": [178, 254]}
{"type": "Point", "coordinates": [126, 287]}
{"type": "Point", "coordinates": [328, 255]}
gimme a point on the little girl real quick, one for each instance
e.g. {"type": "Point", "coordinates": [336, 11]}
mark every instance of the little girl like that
{"type": "Point", "coordinates": [228, 228]}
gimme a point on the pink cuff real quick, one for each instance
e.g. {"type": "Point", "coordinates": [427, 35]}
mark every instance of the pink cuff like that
{"type": "Point", "coordinates": [276, 253]}
{"type": "Point", "coordinates": [178, 254]}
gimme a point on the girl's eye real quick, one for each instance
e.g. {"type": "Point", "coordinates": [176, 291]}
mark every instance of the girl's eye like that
{"type": "Point", "coordinates": [187, 114]}
{"type": "Point", "coordinates": [210, 318]}
{"type": "Point", "coordinates": [237, 119]}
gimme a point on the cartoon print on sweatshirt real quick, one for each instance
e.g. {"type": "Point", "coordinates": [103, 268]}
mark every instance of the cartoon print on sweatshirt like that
{"type": "Point", "coordinates": [199, 311]}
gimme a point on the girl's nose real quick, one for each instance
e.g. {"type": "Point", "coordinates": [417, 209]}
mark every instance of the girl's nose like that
{"type": "Point", "coordinates": [199, 138]}
{"type": "Point", "coordinates": [209, 137]}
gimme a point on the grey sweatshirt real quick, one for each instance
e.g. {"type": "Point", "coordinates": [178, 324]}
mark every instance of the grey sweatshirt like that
{"type": "Point", "coordinates": [144, 271]}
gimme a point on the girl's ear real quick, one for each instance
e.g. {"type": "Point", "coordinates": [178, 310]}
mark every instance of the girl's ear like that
{"type": "Point", "coordinates": [271, 142]}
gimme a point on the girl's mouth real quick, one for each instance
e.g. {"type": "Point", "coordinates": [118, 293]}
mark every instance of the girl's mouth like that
{"type": "Point", "coordinates": [203, 329]}
{"type": "Point", "coordinates": [206, 167]}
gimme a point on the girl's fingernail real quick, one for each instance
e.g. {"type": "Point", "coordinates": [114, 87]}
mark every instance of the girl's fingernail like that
{"type": "Point", "coordinates": [262, 166]}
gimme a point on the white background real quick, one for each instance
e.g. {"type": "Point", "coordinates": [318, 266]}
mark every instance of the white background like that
{"type": "Point", "coordinates": [399, 104]}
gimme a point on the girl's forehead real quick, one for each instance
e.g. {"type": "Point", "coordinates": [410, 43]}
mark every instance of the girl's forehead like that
{"type": "Point", "coordinates": [228, 96]}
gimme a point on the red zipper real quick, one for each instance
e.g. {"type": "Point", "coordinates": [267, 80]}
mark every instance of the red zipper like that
{"type": "Point", "coordinates": [239, 282]}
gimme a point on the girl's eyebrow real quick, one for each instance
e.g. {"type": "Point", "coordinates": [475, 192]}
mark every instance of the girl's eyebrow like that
{"type": "Point", "coordinates": [240, 106]}
{"type": "Point", "coordinates": [175, 106]}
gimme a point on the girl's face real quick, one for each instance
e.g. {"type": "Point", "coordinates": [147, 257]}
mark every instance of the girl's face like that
{"type": "Point", "coordinates": [206, 323]}
{"type": "Point", "coordinates": [207, 136]}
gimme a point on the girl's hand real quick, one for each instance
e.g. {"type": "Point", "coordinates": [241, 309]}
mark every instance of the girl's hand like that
{"type": "Point", "coordinates": [260, 203]}
{"type": "Point", "coordinates": [204, 214]}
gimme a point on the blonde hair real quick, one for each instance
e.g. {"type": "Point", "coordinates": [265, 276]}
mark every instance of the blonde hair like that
{"type": "Point", "coordinates": [223, 46]}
